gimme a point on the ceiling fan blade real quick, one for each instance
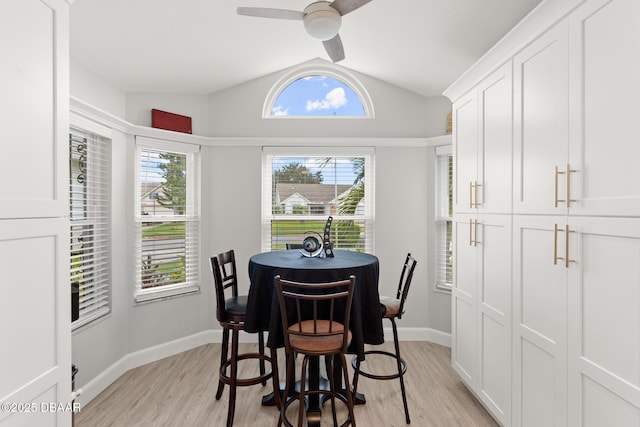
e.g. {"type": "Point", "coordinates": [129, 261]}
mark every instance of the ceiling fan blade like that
{"type": "Point", "coordinates": [334, 48]}
{"type": "Point", "coordinates": [265, 12]}
{"type": "Point", "coordinates": [345, 6]}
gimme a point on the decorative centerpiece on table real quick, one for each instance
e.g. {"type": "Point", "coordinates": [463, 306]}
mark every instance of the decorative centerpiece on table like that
{"type": "Point", "coordinates": [315, 245]}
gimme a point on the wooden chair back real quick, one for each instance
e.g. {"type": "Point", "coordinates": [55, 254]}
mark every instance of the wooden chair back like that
{"type": "Point", "coordinates": [315, 316]}
{"type": "Point", "coordinates": [225, 278]}
{"type": "Point", "coordinates": [405, 282]}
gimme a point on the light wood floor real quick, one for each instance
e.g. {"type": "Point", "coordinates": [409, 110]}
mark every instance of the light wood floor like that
{"type": "Point", "coordinates": [179, 391]}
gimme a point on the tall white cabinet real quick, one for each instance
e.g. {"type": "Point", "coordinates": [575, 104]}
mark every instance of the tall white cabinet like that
{"type": "Point", "coordinates": [35, 360]}
{"type": "Point", "coordinates": [482, 122]}
{"type": "Point", "coordinates": [571, 233]}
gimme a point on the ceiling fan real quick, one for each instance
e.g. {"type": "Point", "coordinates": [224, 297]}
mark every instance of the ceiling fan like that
{"type": "Point", "coordinates": [322, 20]}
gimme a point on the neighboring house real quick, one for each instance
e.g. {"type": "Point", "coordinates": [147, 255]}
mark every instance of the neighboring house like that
{"type": "Point", "coordinates": [150, 205]}
{"type": "Point", "coordinates": [312, 199]}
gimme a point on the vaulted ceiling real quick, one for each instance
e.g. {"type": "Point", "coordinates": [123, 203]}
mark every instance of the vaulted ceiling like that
{"type": "Point", "coordinates": [203, 46]}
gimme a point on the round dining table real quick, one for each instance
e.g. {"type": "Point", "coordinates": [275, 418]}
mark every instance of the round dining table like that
{"type": "Point", "coordinates": [263, 311]}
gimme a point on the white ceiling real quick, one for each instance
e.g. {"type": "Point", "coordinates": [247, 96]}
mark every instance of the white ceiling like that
{"type": "Point", "coordinates": [203, 46]}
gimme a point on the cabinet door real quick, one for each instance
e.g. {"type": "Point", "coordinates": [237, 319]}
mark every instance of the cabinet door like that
{"type": "Point", "coordinates": [540, 325]}
{"type": "Point", "coordinates": [541, 122]}
{"type": "Point", "coordinates": [465, 151]}
{"type": "Point", "coordinates": [604, 314]}
{"type": "Point", "coordinates": [35, 311]}
{"type": "Point", "coordinates": [496, 141]}
{"type": "Point", "coordinates": [34, 107]}
{"type": "Point", "coordinates": [605, 65]}
{"type": "Point", "coordinates": [493, 246]}
{"type": "Point", "coordinates": [464, 301]}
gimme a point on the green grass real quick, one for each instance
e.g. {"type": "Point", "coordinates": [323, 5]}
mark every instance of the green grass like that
{"type": "Point", "coordinates": [169, 229]}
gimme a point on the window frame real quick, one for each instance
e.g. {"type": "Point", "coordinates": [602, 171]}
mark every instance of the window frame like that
{"type": "Point", "coordinates": [443, 218]}
{"type": "Point", "coordinates": [191, 218]}
{"type": "Point", "coordinates": [97, 206]}
{"type": "Point", "coordinates": [268, 153]}
{"type": "Point", "coordinates": [318, 69]}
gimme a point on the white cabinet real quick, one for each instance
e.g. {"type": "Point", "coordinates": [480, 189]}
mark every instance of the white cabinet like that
{"type": "Point", "coordinates": [35, 363]}
{"type": "Point", "coordinates": [482, 308]}
{"type": "Point", "coordinates": [573, 232]}
{"type": "Point", "coordinates": [35, 360]}
{"type": "Point", "coordinates": [541, 129]}
{"type": "Point", "coordinates": [465, 151]}
{"type": "Point", "coordinates": [464, 299]}
{"type": "Point", "coordinates": [34, 102]}
{"type": "Point", "coordinates": [576, 105]}
{"type": "Point", "coordinates": [482, 145]}
{"type": "Point", "coordinates": [540, 322]}
{"type": "Point", "coordinates": [605, 107]}
{"type": "Point", "coordinates": [576, 322]}
{"type": "Point", "coordinates": [604, 321]}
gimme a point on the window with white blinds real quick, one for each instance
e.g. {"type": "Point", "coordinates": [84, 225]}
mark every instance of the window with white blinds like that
{"type": "Point", "coordinates": [443, 215]}
{"type": "Point", "coordinates": [90, 222]}
{"type": "Point", "coordinates": [303, 187]}
{"type": "Point", "coordinates": [167, 220]}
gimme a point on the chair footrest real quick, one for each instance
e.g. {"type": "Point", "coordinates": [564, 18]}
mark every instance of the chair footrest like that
{"type": "Point", "coordinates": [356, 366]}
{"type": "Point", "coordinates": [241, 382]}
{"type": "Point", "coordinates": [326, 396]}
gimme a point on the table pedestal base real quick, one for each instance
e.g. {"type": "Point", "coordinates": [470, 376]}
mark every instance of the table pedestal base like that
{"type": "Point", "coordinates": [315, 382]}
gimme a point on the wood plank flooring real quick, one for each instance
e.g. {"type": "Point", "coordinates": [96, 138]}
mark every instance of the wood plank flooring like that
{"type": "Point", "coordinates": [180, 391]}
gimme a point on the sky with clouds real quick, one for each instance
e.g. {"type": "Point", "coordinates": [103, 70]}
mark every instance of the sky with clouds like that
{"type": "Point", "coordinates": [317, 96]}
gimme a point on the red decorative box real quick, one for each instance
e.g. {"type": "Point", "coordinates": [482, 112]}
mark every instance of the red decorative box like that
{"type": "Point", "coordinates": [170, 121]}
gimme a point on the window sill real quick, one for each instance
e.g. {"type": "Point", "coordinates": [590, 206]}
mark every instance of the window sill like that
{"type": "Point", "coordinates": [151, 295]}
{"type": "Point", "coordinates": [445, 289]}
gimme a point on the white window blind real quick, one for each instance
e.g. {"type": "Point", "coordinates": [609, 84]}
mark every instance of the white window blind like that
{"type": "Point", "coordinates": [89, 212]}
{"type": "Point", "coordinates": [443, 215]}
{"type": "Point", "coordinates": [167, 220]}
{"type": "Point", "coordinates": [303, 187]}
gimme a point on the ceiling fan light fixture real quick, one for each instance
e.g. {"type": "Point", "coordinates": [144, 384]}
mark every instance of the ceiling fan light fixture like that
{"type": "Point", "coordinates": [321, 21]}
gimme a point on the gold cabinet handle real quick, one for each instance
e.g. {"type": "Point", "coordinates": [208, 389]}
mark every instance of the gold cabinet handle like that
{"type": "Point", "coordinates": [470, 232]}
{"type": "Point", "coordinates": [471, 191]}
{"type": "Point", "coordinates": [475, 233]}
{"type": "Point", "coordinates": [555, 187]}
{"type": "Point", "coordinates": [566, 244]}
{"type": "Point", "coordinates": [555, 199]}
{"type": "Point", "coordinates": [566, 258]}
{"type": "Point", "coordinates": [555, 243]}
{"type": "Point", "coordinates": [568, 195]}
{"type": "Point", "coordinates": [568, 173]}
{"type": "Point", "coordinates": [475, 194]}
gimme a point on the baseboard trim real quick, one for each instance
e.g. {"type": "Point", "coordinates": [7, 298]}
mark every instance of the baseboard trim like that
{"type": "Point", "coordinates": [87, 392]}
{"type": "Point", "coordinates": [420, 334]}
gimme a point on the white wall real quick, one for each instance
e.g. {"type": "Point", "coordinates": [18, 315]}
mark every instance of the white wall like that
{"type": "Point", "coordinates": [398, 113]}
{"type": "Point", "coordinates": [94, 91]}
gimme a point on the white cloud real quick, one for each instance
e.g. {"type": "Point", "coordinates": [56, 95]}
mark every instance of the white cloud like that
{"type": "Point", "coordinates": [314, 78]}
{"type": "Point", "coordinates": [336, 98]}
{"type": "Point", "coordinates": [278, 111]}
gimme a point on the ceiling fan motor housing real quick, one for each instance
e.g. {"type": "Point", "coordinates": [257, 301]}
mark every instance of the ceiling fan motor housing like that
{"type": "Point", "coordinates": [322, 21]}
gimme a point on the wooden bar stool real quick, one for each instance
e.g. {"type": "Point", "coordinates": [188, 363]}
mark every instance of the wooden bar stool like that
{"type": "Point", "coordinates": [231, 312]}
{"type": "Point", "coordinates": [315, 321]}
{"type": "Point", "coordinates": [392, 309]}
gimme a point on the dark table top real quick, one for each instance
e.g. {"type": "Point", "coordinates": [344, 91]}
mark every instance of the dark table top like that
{"type": "Point", "coordinates": [263, 313]}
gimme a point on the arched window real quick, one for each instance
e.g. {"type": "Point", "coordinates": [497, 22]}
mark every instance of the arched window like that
{"type": "Point", "coordinates": [318, 91]}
